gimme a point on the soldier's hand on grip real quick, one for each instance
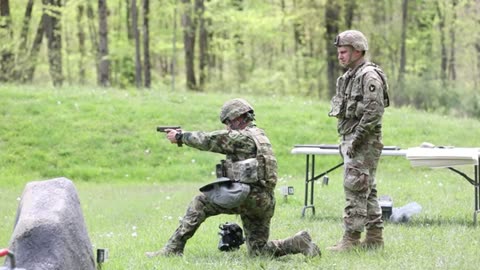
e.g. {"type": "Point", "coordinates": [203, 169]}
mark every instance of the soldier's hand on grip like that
{"type": "Point", "coordinates": [171, 135]}
{"type": "Point", "coordinates": [351, 151]}
{"type": "Point", "coordinates": [175, 136]}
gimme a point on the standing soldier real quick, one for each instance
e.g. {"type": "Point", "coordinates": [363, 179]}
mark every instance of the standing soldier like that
{"type": "Point", "coordinates": [359, 102]}
{"type": "Point", "coordinates": [251, 164]}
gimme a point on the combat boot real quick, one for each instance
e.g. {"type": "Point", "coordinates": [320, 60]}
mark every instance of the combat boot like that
{"type": "Point", "coordinates": [299, 243]}
{"type": "Point", "coordinates": [373, 239]}
{"type": "Point", "coordinates": [164, 252]}
{"type": "Point", "coordinates": [172, 248]}
{"type": "Point", "coordinates": [349, 241]}
{"type": "Point", "coordinates": [302, 243]}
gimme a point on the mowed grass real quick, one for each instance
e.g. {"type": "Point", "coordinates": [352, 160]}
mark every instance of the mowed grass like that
{"type": "Point", "coordinates": [134, 185]}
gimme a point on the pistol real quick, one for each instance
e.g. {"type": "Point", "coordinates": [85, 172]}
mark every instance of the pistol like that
{"type": "Point", "coordinates": [164, 128]}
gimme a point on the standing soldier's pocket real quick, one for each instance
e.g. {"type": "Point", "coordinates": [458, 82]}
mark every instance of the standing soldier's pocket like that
{"type": "Point", "coordinates": [356, 179]}
{"type": "Point", "coordinates": [359, 109]}
{"type": "Point", "coordinates": [351, 108]}
{"type": "Point", "coordinates": [337, 105]}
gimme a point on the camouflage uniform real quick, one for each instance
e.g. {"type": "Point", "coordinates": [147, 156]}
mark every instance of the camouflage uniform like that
{"type": "Point", "coordinates": [256, 210]}
{"type": "Point", "coordinates": [361, 96]}
{"type": "Point", "coordinates": [361, 121]}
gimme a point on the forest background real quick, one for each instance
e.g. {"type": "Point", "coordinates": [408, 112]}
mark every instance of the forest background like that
{"type": "Point", "coordinates": [197, 54]}
{"type": "Point", "coordinates": [430, 49]}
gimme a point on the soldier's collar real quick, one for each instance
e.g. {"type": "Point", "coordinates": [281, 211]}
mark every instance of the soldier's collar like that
{"type": "Point", "coordinates": [352, 72]}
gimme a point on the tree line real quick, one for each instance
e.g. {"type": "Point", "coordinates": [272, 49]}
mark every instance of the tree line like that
{"type": "Point", "coordinates": [430, 49]}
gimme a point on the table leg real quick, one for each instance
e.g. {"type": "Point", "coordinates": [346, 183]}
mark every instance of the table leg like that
{"type": "Point", "coordinates": [307, 180]}
{"type": "Point", "coordinates": [311, 178]}
{"type": "Point", "coordinates": [311, 184]}
{"type": "Point", "coordinates": [477, 194]}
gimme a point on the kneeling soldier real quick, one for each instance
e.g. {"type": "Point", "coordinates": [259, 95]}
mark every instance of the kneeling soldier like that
{"type": "Point", "coordinates": [245, 186]}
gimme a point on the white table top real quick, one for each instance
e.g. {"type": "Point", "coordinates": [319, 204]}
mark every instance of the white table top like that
{"type": "Point", "coordinates": [435, 157]}
{"type": "Point", "coordinates": [324, 149]}
{"type": "Point", "coordinates": [443, 157]}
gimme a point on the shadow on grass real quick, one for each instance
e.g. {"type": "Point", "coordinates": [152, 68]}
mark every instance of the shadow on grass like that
{"type": "Point", "coordinates": [435, 221]}
{"type": "Point", "coordinates": [323, 218]}
{"type": "Point", "coordinates": [414, 222]}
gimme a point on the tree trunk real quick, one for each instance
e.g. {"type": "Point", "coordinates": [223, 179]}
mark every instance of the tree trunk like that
{"type": "Point", "coordinates": [130, 32]}
{"type": "Point", "coordinates": [400, 98]}
{"type": "Point", "coordinates": [443, 53]}
{"type": "Point", "coordinates": [299, 43]}
{"type": "Point", "coordinates": [54, 39]}
{"type": "Point", "coordinates": [284, 15]}
{"type": "Point", "coordinates": [174, 47]}
{"type": "Point", "coordinates": [379, 16]}
{"type": "Point", "coordinates": [203, 43]}
{"type": "Point", "coordinates": [239, 47]}
{"type": "Point", "coordinates": [477, 51]}
{"type": "Point", "coordinates": [220, 60]}
{"type": "Point", "coordinates": [22, 58]}
{"type": "Point", "coordinates": [37, 41]}
{"type": "Point", "coordinates": [350, 7]}
{"type": "Point", "coordinates": [146, 44]}
{"type": "Point", "coordinates": [92, 30]}
{"type": "Point", "coordinates": [136, 34]}
{"type": "Point", "coordinates": [69, 50]}
{"type": "Point", "coordinates": [81, 43]}
{"type": "Point", "coordinates": [332, 18]}
{"type": "Point", "coordinates": [212, 58]}
{"type": "Point", "coordinates": [103, 57]}
{"type": "Point", "coordinates": [452, 72]}
{"type": "Point", "coordinates": [189, 44]}
{"type": "Point", "coordinates": [7, 60]}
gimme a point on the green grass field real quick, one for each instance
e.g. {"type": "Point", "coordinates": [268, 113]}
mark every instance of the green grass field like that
{"type": "Point", "coordinates": [134, 185]}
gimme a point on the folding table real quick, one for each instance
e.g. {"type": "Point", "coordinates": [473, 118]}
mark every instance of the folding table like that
{"type": "Point", "coordinates": [435, 157]}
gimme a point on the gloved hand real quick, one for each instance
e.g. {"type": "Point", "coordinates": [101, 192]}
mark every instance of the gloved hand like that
{"type": "Point", "coordinates": [352, 148]}
{"type": "Point", "coordinates": [350, 151]}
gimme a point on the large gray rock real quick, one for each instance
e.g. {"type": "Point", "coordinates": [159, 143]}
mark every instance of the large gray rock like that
{"type": "Point", "coordinates": [50, 231]}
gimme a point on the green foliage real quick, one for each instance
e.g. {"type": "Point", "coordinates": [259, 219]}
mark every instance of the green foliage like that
{"type": "Point", "coordinates": [271, 59]}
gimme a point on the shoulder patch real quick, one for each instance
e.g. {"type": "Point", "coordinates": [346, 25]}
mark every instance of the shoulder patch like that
{"type": "Point", "coordinates": [373, 89]}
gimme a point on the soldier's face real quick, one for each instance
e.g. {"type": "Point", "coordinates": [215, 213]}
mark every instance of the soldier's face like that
{"type": "Point", "coordinates": [347, 56]}
{"type": "Point", "coordinates": [234, 124]}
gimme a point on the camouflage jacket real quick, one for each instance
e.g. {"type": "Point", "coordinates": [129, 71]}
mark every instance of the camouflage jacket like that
{"type": "Point", "coordinates": [360, 99]}
{"type": "Point", "coordinates": [250, 143]}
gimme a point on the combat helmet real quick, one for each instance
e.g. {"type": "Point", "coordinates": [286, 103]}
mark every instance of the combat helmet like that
{"type": "Point", "coordinates": [234, 108]}
{"type": "Point", "coordinates": [353, 38]}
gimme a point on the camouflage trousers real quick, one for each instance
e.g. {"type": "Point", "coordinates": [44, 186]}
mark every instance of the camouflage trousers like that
{"type": "Point", "coordinates": [361, 208]}
{"type": "Point", "coordinates": [255, 212]}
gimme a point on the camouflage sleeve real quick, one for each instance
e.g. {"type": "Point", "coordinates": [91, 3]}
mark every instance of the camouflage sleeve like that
{"type": "Point", "coordinates": [373, 106]}
{"type": "Point", "coordinates": [221, 141]}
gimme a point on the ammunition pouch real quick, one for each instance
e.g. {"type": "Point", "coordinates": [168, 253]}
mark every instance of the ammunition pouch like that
{"type": "Point", "coordinates": [253, 170]}
{"type": "Point", "coordinates": [268, 170]}
{"type": "Point", "coordinates": [355, 107]}
{"type": "Point", "coordinates": [351, 108]}
{"type": "Point", "coordinates": [245, 171]}
{"type": "Point", "coordinates": [338, 106]}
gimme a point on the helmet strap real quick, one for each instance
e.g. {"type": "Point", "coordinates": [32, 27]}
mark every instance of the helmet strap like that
{"type": "Point", "coordinates": [354, 62]}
